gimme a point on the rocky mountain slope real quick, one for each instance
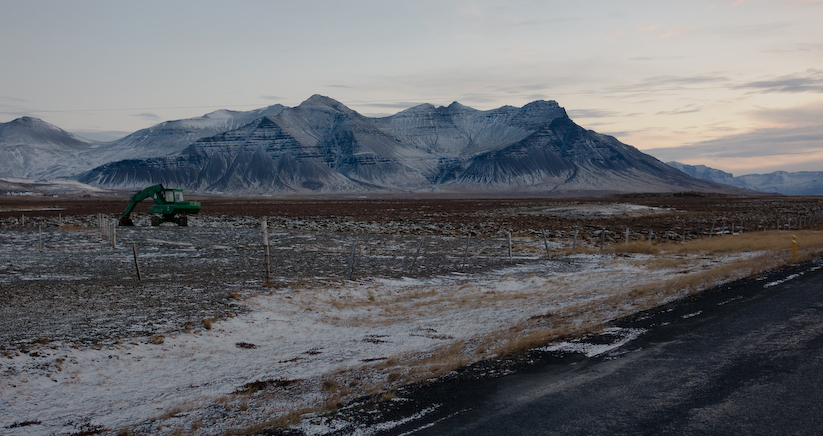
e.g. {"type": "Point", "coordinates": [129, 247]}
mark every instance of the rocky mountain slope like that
{"type": "Point", "coordinates": [781, 182]}
{"type": "Point", "coordinates": [322, 146]}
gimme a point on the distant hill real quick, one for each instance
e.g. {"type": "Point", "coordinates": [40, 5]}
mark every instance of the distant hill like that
{"type": "Point", "coordinates": [33, 148]}
{"type": "Point", "coordinates": [322, 146]}
{"type": "Point", "coordinates": [781, 182]}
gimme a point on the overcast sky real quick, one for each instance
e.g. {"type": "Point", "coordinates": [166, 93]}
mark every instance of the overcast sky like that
{"type": "Point", "coordinates": [733, 84]}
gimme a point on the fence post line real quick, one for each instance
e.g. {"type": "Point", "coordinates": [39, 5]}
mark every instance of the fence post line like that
{"type": "Point", "coordinates": [627, 235]}
{"type": "Point", "coordinates": [602, 237]}
{"type": "Point", "coordinates": [113, 235]}
{"type": "Point", "coordinates": [40, 230]}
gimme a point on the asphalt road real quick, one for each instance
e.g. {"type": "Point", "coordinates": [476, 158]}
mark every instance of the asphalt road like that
{"type": "Point", "coordinates": [746, 358]}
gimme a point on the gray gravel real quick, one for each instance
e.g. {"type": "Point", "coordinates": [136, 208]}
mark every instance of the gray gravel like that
{"type": "Point", "coordinates": [80, 290]}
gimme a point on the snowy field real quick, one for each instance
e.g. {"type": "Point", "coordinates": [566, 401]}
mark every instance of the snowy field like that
{"type": "Point", "coordinates": [201, 345]}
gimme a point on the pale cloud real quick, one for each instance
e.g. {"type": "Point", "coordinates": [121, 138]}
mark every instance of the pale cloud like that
{"type": "Point", "coordinates": [148, 116]}
{"type": "Point", "coordinates": [671, 82]}
{"type": "Point", "coordinates": [470, 9]}
{"type": "Point", "coordinates": [688, 109]}
{"type": "Point", "coordinates": [615, 35]}
{"type": "Point", "coordinates": [663, 32]}
{"type": "Point", "coordinates": [810, 80]}
{"type": "Point", "coordinates": [802, 115]}
{"type": "Point", "coordinates": [594, 113]}
{"type": "Point", "coordinates": [761, 148]}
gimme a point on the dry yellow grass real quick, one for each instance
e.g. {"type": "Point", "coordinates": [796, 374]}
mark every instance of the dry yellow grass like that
{"type": "Point", "coordinates": [772, 240]}
{"type": "Point", "coordinates": [697, 265]}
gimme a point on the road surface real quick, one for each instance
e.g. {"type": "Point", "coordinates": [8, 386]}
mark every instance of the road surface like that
{"type": "Point", "coordinates": [746, 358]}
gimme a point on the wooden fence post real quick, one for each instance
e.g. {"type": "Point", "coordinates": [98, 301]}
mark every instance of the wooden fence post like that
{"type": "Point", "coordinates": [509, 237]}
{"type": "Point", "coordinates": [265, 227]}
{"type": "Point", "coordinates": [417, 252]}
{"type": "Point", "coordinates": [136, 264]}
{"type": "Point", "coordinates": [351, 261]}
{"type": "Point", "coordinates": [546, 244]}
{"type": "Point", "coordinates": [574, 241]}
{"type": "Point", "coordinates": [466, 251]}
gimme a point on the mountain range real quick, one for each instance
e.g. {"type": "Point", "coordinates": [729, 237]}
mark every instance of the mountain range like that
{"type": "Point", "coordinates": [322, 146]}
{"type": "Point", "coordinates": [780, 182]}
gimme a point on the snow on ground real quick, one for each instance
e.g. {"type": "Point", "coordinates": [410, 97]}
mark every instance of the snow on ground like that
{"type": "Point", "coordinates": [301, 333]}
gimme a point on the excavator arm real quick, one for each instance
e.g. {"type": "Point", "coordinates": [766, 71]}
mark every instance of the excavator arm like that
{"type": "Point", "coordinates": [151, 191]}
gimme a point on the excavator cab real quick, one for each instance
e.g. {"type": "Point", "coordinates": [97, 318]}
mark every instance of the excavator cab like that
{"type": "Point", "coordinates": [174, 195]}
{"type": "Point", "coordinates": [168, 204]}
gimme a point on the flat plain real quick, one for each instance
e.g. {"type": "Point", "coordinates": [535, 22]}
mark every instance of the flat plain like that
{"type": "Point", "coordinates": [363, 296]}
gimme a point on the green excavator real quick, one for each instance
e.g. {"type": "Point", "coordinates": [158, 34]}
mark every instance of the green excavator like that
{"type": "Point", "coordinates": [168, 204]}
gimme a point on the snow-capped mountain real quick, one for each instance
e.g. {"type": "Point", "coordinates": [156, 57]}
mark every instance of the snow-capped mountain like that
{"type": "Point", "coordinates": [171, 137]}
{"type": "Point", "coordinates": [781, 182]}
{"type": "Point", "coordinates": [33, 148]}
{"type": "Point", "coordinates": [323, 146]}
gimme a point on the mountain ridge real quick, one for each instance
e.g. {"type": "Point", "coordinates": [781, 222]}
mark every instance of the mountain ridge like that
{"type": "Point", "coordinates": [780, 182]}
{"type": "Point", "coordinates": [322, 146]}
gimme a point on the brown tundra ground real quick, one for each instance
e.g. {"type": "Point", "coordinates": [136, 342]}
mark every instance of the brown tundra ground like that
{"type": "Point", "coordinates": [435, 284]}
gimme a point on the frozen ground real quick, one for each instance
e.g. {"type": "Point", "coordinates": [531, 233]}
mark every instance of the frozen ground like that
{"type": "Point", "coordinates": [201, 345]}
